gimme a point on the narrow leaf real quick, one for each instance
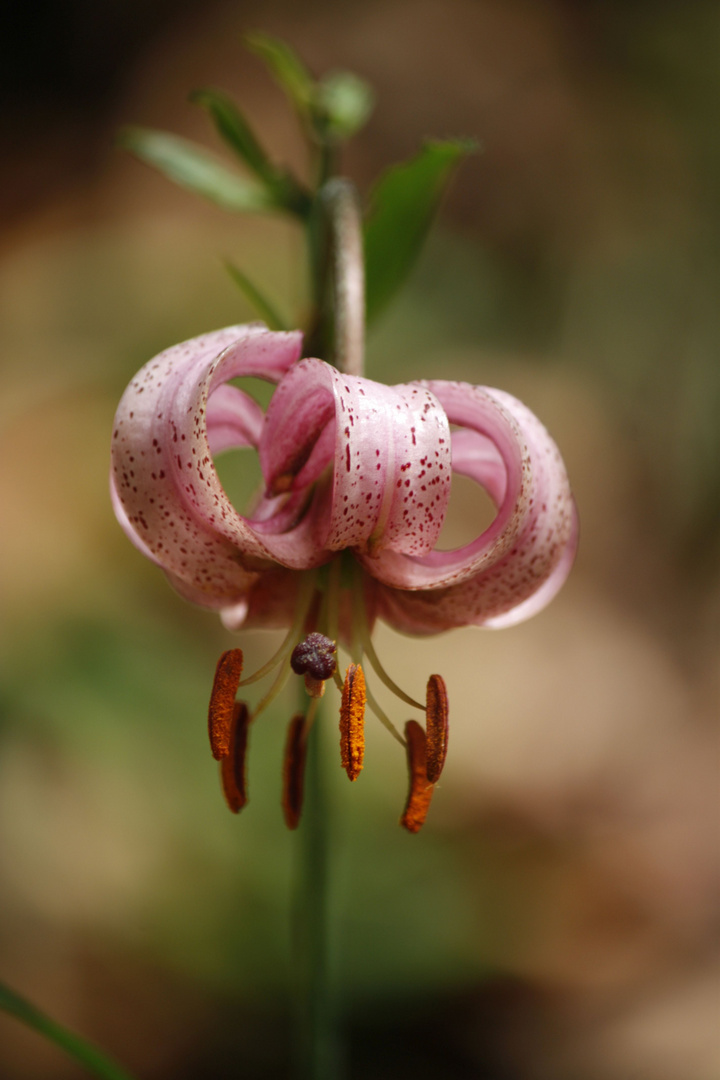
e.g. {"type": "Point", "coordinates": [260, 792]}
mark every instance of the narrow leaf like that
{"type": "Point", "coordinates": [286, 66]}
{"type": "Point", "coordinates": [402, 206]}
{"type": "Point", "coordinates": [84, 1052]}
{"type": "Point", "coordinates": [333, 108]}
{"type": "Point", "coordinates": [260, 302]}
{"type": "Point", "coordinates": [234, 129]}
{"type": "Point", "coordinates": [196, 169]}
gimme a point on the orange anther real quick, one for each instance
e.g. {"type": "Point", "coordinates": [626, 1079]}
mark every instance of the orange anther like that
{"type": "Point", "coordinates": [436, 725]}
{"type": "Point", "coordinates": [352, 718]}
{"type": "Point", "coordinates": [420, 793]}
{"type": "Point", "coordinates": [294, 771]}
{"type": "Point", "coordinates": [222, 701]}
{"type": "Point", "coordinates": [232, 767]}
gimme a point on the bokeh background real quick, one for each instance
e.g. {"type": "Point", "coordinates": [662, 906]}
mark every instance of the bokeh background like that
{"type": "Point", "coordinates": [557, 918]}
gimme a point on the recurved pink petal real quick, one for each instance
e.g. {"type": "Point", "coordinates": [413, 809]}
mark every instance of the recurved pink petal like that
{"type": "Point", "coordinates": [488, 600]}
{"type": "Point", "coordinates": [477, 457]}
{"type": "Point", "coordinates": [516, 565]}
{"type": "Point", "coordinates": [170, 500]}
{"type": "Point", "coordinates": [233, 419]}
{"type": "Point", "coordinates": [269, 605]}
{"type": "Point", "coordinates": [389, 447]}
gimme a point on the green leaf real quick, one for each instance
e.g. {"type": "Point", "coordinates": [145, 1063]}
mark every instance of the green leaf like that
{"type": "Point", "coordinates": [234, 129]}
{"type": "Point", "coordinates": [196, 169]}
{"type": "Point", "coordinates": [84, 1052]}
{"type": "Point", "coordinates": [402, 206]}
{"type": "Point", "coordinates": [286, 66]}
{"type": "Point", "coordinates": [345, 101]}
{"type": "Point", "coordinates": [259, 301]}
{"type": "Point", "coordinates": [333, 108]}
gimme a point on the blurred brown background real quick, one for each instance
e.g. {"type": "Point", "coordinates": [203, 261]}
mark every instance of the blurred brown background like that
{"type": "Point", "coordinates": [558, 916]}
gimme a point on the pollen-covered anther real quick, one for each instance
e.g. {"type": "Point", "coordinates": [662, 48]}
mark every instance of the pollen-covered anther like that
{"type": "Point", "coordinates": [294, 771]}
{"type": "Point", "coordinates": [421, 790]}
{"type": "Point", "coordinates": [232, 766]}
{"type": "Point", "coordinates": [352, 721]}
{"type": "Point", "coordinates": [436, 727]}
{"type": "Point", "coordinates": [222, 702]}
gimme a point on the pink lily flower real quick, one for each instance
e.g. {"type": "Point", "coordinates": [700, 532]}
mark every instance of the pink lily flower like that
{"type": "Point", "coordinates": [357, 479]}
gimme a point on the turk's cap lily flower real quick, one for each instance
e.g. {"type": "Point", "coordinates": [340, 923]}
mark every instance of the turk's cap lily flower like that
{"type": "Point", "coordinates": [356, 483]}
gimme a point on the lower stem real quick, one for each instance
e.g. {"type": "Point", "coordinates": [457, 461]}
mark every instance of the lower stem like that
{"type": "Point", "coordinates": [317, 1049]}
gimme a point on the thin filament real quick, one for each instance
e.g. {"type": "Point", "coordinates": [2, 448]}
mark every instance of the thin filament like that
{"type": "Point", "coordinates": [382, 717]}
{"type": "Point", "coordinates": [277, 687]}
{"type": "Point", "coordinates": [307, 590]}
{"type": "Point", "coordinates": [337, 680]}
{"type": "Point", "coordinates": [360, 625]}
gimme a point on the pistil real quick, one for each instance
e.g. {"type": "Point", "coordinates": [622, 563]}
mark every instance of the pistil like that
{"type": "Point", "coordinates": [315, 657]}
{"type": "Point", "coordinates": [294, 771]}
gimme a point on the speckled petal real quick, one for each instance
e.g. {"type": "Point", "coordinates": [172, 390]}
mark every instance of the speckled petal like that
{"type": "Point", "coordinates": [169, 498]}
{"type": "Point", "coordinates": [233, 419]}
{"type": "Point", "coordinates": [390, 448]}
{"type": "Point", "coordinates": [487, 600]}
{"type": "Point", "coordinates": [269, 605]}
{"type": "Point", "coordinates": [517, 565]}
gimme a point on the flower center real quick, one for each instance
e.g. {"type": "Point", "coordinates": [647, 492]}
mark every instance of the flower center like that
{"type": "Point", "coordinates": [331, 607]}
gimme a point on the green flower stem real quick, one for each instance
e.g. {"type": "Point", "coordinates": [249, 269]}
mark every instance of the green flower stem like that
{"type": "Point", "coordinates": [336, 246]}
{"type": "Point", "coordinates": [337, 335]}
{"type": "Point", "coordinates": [85, 1052]}
{"type": "Point", "coordinates": [317, 1042]}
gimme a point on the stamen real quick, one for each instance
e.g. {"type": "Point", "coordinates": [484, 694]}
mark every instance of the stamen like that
{"type": "Point", "coordinates": [273, 661]}
{"type": "Point", "coordinates": [420, 793]}
{"type": "Point", "coordinates": [436, 726]}
{"type": "Point", "coordinates": [222, 701]}
{"type": "Point", "coordinates": [306, 595]}
{"type": "Point", "coordinates": [294, 771]}
{"type": "Point", "coordinates": [277, 687]}
{"type": "Point", "coordinates": [232, 767]}
{"type": "Point", "coordinates": [360, 627]}
{"type": "Point", "coordinates": [337, 679]}
{"type": "Point", "coordinates": [382, 717]}
{"type": "Point", "coordinates": [352, 718]}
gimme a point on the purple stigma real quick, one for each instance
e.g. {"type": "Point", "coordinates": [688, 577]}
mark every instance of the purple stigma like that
{"type": "Point", "coordinates": [316, 655]}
